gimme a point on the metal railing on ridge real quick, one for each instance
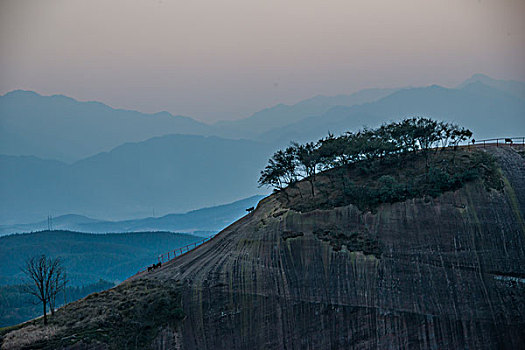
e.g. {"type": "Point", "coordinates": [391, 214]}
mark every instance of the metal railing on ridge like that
{"type": "Point", "coordinates": [501, 141]}
{"type": "Point", "coordinates": [172, 254]}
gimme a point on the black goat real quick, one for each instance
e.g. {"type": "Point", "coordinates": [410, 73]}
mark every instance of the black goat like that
{"type": "Point", "coordinates": [249, 210]}
{"type": "Point", "coordinates": [154, 266]}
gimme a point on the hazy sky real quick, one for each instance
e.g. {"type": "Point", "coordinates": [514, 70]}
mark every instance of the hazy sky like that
{"type": "Point", "coordinates": [224, 59]}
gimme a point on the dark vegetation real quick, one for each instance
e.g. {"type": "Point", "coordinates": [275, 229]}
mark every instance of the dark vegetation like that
{"type": "Point", "coordinates": [353, 241]}
{"type": "Point", "coordinates": [291, 234]}
{"type": "Point", "coordinates": [88, 257]}
{"type": "Point", "coordinates": [128, 316]}
{"type": "Point", "coordinates": [412, 158]}
{"type": "Point", "coordinates": [370, 184]}
{"type": "Point", "coordinates": [16, 306]}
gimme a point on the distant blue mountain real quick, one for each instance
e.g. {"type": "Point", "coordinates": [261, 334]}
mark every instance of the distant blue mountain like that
{"type": "Point", "coordinates": [487, 111]}
{"type": "Point", "coordinates": [201, 222]}
{"type": "Point", "coordinates": [177, 173]}
{"type": "Point", "coordinates": [168, 174]}
{"type": "Point", "coordinates": [511, 87]}
{"type": "Point", "coordinates": [281, 115]}
{"type": "Point", "coordinates": [62, 128]}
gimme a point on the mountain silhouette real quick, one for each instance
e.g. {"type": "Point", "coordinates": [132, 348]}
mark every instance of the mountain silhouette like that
{"type": "Point", "coordinates": [173, 173]}
{"type": "Point", "coordinates": [476, 106]}
{"type": "Point", "coordinates": [176, 172]}
{"type": "Point", "coordinates": [65, 129]}
{"type": "Point", "coordinates": [201, 222]}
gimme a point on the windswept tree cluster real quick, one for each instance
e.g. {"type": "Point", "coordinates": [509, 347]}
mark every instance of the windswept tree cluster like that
{"type": "Point", "coordinates": [416, 136]}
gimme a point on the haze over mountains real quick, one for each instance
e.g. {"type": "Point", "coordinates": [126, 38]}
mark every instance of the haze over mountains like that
{"type": "Point", "coordinates": [487, 111]}
{"type": "Point", "coordinates": [511, 87]}
{"type": "Point", "coordinates": [276, 117]}
{"type": "Point", "coordinates": [168, 174]}
{"type": "Point", "coordinates": [61, 156]}
{"type": "Point", "coordinates": [202, 222]}
{"type": "Point", "coordinates": [62, 128]}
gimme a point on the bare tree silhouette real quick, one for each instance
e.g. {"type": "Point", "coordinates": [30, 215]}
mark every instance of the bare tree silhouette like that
{"type": "Point", "coordinates": [46, 278]}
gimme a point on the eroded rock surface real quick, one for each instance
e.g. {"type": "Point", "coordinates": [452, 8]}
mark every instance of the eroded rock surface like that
{"type": "Point", "coordinates": [449, 275]}
{"type": "Point", "coordinates": [436, 273]}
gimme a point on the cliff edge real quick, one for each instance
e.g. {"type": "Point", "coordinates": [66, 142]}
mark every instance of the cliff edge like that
{"type": "Point", "coordinates": [443, 272]}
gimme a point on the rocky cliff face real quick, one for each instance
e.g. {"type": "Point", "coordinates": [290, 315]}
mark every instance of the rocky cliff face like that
{"type": "Point", "coordinates": [445, 272]}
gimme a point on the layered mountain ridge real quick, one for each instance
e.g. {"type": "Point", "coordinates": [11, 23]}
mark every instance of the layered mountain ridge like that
{"type": "Point", "coordinates": [62, 128]}
{"type": "Point", "coordinates": [172, 173]}
{"type": "Point", "coordinates": [201, 222]}
{"type": "Point", "coordinates": [144, 159]}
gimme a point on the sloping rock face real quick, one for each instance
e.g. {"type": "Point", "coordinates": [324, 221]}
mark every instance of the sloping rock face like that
{"type": "Point", "coordinates": [449, 273]}
{"type": "Point", "coordinates": [428, 273]}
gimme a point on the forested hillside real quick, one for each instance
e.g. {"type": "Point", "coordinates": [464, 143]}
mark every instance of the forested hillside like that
{"type": "Point", "coordinates": [88, 257]}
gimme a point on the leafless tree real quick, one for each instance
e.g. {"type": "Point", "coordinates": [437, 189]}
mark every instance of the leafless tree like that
{"type": "Point", "coordinates": [64, 289]}
{"type": "Point", "coordinates": [58, 284]}
{"type": "Point", "coordinates": [45, 277]}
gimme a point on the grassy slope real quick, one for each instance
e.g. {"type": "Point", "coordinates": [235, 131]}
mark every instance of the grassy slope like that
{"type": "Point", "coordinates": [17, 306]}
{"type": "Point", "coordinates": [128, 316]}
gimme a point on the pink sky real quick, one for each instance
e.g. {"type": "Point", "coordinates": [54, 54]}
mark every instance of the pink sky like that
{"type": "Point", "coordinates": [225, 59]}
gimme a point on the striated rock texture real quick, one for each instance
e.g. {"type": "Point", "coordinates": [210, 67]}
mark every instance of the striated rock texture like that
{"type": "Point", "coordinates": [438, 273]}
{"type": "Point", "coordinates": [451, 274]}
